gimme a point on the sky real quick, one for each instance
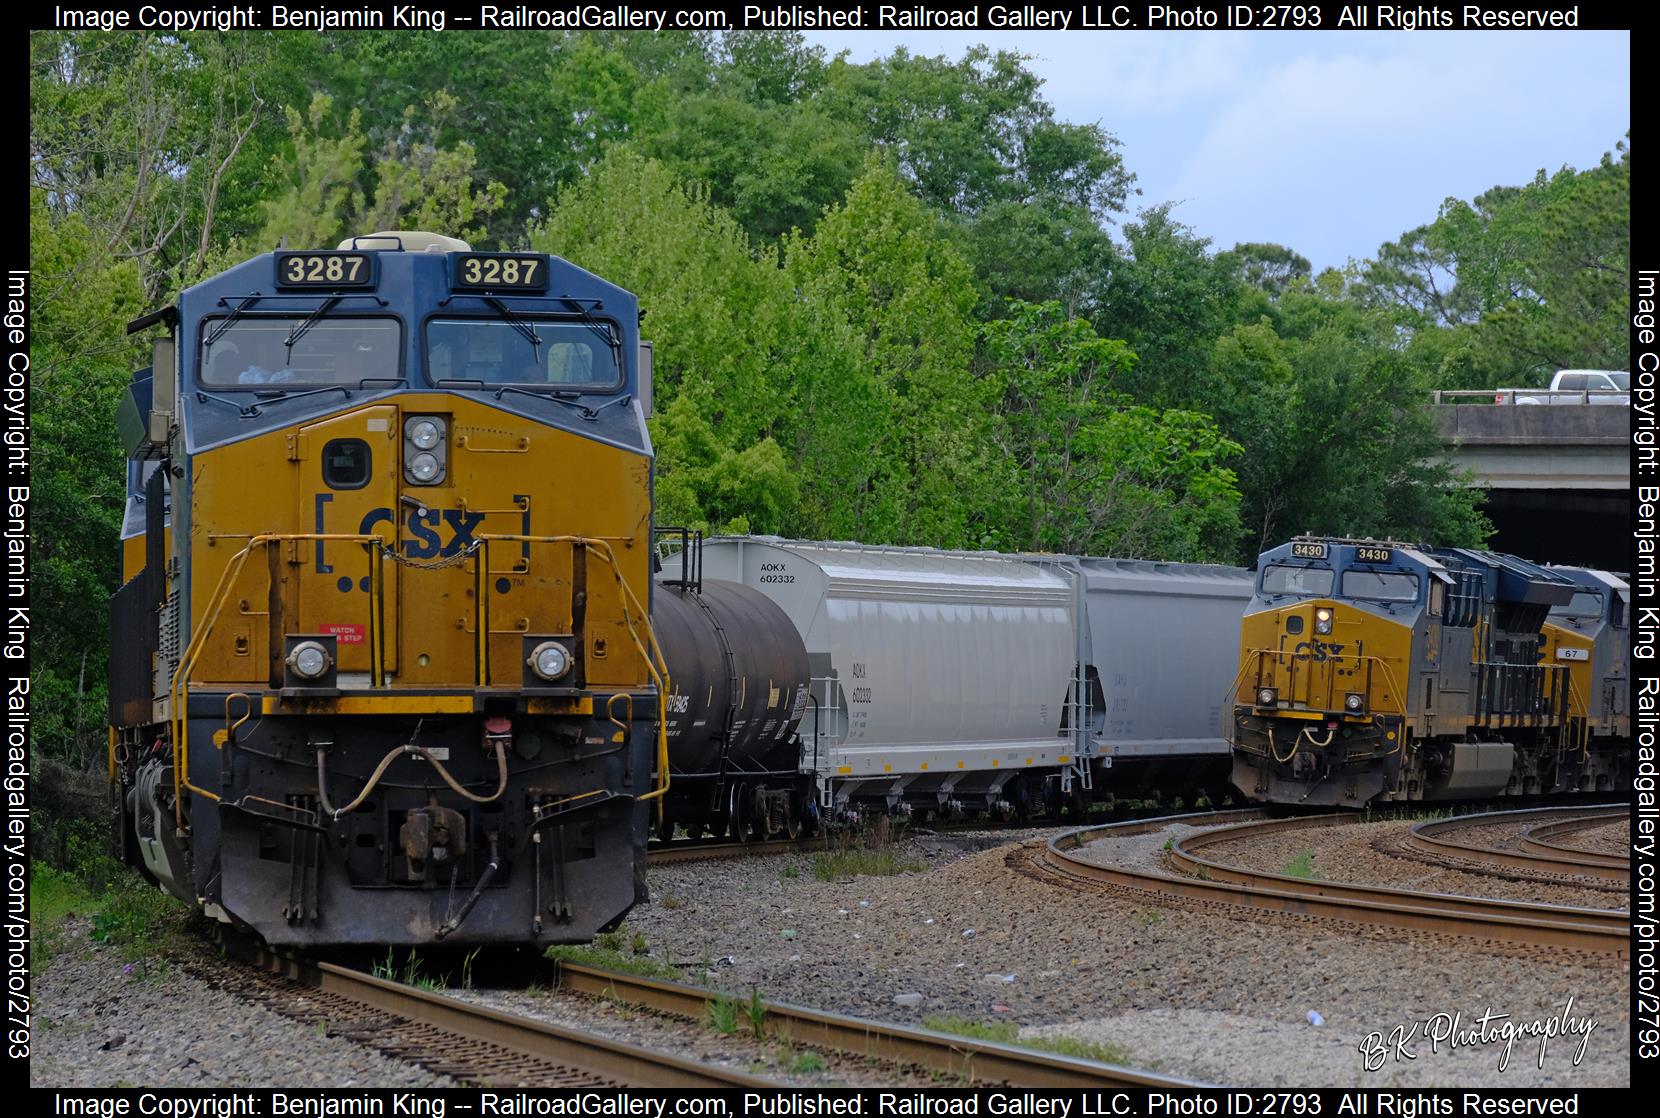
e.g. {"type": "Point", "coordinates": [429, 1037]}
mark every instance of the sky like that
{"type": "Point", "coordinates": [1331, 143]}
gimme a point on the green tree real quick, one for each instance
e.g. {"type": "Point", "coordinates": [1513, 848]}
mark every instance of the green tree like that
{"type": "Point", "coordinates": [883, 264]}
{"type": "Point", "coordinates": [1098, 475]}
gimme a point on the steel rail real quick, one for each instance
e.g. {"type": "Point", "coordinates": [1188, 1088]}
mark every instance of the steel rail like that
{"type": "Point", "coordinates": [563, 1053]}
{"type": "Point", "coordinates": [1538, 840]}
{"type": "Point", "coordinates": [1428, 837]}
{"type": "Point", "coordinates": [1601, 931]}
{"type": "Point", "coordinates": [975, 1061]}
{"type": "Point", "coordinates": [693, 851]}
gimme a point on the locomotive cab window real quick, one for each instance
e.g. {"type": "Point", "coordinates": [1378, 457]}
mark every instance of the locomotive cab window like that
{"type": "Point", "coordinates": [1584, 603]}
{"type": "Point", "coordinates": [346, 463]}
{"type": "Point", "coordinates": [1380, 586]}
{"type": "Point", "coordinates": [580, 356]}
{"type": "Point", "coordinates": [254, 352]}
{"type": "Point", "coordinates": [1307, 582]}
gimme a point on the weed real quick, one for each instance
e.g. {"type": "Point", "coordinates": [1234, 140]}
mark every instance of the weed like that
{"type": "Point", "coordinates": [1008, 1032]}
{"type": "Point", "coordinates": [1301, 866]}
{"type": "Point", "coordinates": [861, 862]}
{"type": "Point", "coordinates": [536, 990]}
{"type": "Point", "coordinates": [756, 1011]}
{"type": "Point", "coordinates": [613, 959]}
{"type": "Point", "coordinates": [467, 968]}
{"type": "Point", "coordinates": [669, 902]}
{"type": "Point", "coordinates": [322, 1029]}
{"type": "Point", "coordinates": [1202, 873]}
{"type": "Point", "coordinates": [722, 1015]}
{"type": "Point", "coordinates": [54, 896]}
{"type": "Point", "coordinates": [1169, 843]}
{"type": "Point", "coordinates": [609, 941]}
{"type": "Point", "coordinates": [412, 975]}
{"type": "Point", "coordinates": [638, 944]}
{"type": "Point", "coordinates": [792, 871]}
{"type": "Point", "coordinates": [1149, 916]}
{"type": "Point", "coordinates": [807, 1062]}
{"type": "Point", "coordinates": [385, 968]}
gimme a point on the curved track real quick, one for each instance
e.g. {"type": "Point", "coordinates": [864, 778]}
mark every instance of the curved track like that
{"type": "Point", "coordinates": [1601, 931]}
{"type": "Point", "coordinates": [1431, 837]}
{"type": "Point", "coordinates": [1540, 838]}
{"type": "Point", "coordinates": [468, 1042]}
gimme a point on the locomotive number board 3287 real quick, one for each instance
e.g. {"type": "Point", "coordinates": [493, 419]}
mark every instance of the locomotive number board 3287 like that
{"type": "Point", "coordinates": [519, 271]}
{"type": "Point", "coordinates": [325, 269]}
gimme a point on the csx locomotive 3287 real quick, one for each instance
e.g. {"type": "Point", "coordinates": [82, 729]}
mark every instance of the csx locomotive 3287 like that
{"type": "Point", "coordinates": [1372, 671]}
{"type": "Point", "coordinates": [382, 670]}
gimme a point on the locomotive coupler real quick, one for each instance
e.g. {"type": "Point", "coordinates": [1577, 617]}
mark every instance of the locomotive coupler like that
{"type": "Point", "coordinates": [432, 834]}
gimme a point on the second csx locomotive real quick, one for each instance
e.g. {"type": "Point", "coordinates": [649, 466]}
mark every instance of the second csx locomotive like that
{"type": "Point", "coordinates": [1371, 670]}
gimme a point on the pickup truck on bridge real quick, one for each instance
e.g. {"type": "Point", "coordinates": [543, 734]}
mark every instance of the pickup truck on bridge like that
{"type": "Point", "coordinates": [1573, 386]}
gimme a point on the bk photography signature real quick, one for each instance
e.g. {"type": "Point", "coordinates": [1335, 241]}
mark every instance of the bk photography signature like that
{"type": "Point", "coordinates": [1451, 1030]}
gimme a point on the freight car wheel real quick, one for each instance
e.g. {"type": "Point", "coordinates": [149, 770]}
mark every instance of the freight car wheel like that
{"type": "Point", "coordinates": [1076, 802]}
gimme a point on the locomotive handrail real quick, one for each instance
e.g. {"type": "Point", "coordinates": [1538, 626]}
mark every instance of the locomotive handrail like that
{"type": "Point", "coordinates": [650, 652]}
{"type": "Point", "coordinates": [1255, 658]}
{"type": "Point", "coordinates": [178, 692]}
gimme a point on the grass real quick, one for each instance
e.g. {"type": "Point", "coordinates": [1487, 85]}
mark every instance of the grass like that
{"type": "Point", "coordinates": [127, 911]}
{"type": "Point", "coordinates": [54, 896]}
{"type": "Point", "coordinates": [613, 959]}
{"type": "Point", "coordinates": [807, 1062]}
{"type": "Point", "coordinates": [756, 1012]}
{"type": "Point", "coordinates": [722, 1015]}
{"type": "Point", "coordinates": [1007, 1032]}
{"type": "Point", "coordinates": [1301, 866]}
{"type": "Point", "coordinates": [1147, 917]}
{"type": "Point", "coordinates": [837, 865]}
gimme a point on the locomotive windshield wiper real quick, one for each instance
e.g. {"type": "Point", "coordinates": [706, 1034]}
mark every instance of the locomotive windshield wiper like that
{"type": "Point", "coordinates": [593, 323]}
{"type": "Point", "coordinates": [311, 320]}
{"type": "Point", "coordinates": [236, 312]}
{"type": "Point", "coordinates": [558, 396]}
{"type": "Point", "coordinates": [268, 396]}
{"type": "Point", "coordinates": [518, 323]}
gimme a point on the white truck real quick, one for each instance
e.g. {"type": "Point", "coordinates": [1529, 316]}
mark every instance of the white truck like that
{"type": "Point", "coordinates": [1573, 386]}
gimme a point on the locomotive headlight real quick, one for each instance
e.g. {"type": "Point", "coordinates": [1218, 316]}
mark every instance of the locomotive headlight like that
{"type": "Point", "coordinates": [1267, 697]}
{"type": "Point", "coordinates": [423, 468]}
{"type": "Point", "coordinates": [1322, 620]}
{"type": "Point", "coordinates": [425, 433]}
{"type": "Point", "coordinates": [424, 449]}
{"type": "Point", "coordinates": [308, 660]}
{"type": "Point", "coordinates": [1354, 702]}
{"type": "Point", "coordinates": [550, 660]}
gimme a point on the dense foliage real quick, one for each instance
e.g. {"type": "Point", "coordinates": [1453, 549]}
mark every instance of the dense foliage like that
{"type": "Point", "coordinates": [894, 302]}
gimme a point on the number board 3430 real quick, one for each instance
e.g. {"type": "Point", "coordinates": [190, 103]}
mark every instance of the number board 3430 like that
{"type": "Point", "coordinates": [1374, 554]}
{"type": "Point", "coordinates": [496, 270]}
{"type": "Point", "coordinates": [325, 269]}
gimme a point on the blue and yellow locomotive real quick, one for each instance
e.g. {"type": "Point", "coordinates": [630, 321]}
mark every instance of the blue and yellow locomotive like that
{"type": "Point", "coordinates": [382, 668]}
{"type": "Point", "coordinates": [1372, 671]}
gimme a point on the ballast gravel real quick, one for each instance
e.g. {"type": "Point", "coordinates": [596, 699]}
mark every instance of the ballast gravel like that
{"type": "Point", "coordinates": [102, 1021]}
{"type": "Point", "coordinates": [1218, 995]}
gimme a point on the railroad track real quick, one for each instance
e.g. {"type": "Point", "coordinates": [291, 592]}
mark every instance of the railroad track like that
{"type": "Point", "coordinates": [1600, 931]}
{"type": "Point", "coordinates": [452, 1037]}
{"type": "Point", "coordinates": [1538, 839]}
{"type": "Point", "coordinates": [972, 1061]}
{"type": "Point", "coordinates": [1432, 837]}
{"type": "Point", "coordinates": [702, 851]}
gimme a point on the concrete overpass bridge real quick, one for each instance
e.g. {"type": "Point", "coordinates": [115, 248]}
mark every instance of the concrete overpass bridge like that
{"type": "Point", "coordinates": [1558, 475]}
